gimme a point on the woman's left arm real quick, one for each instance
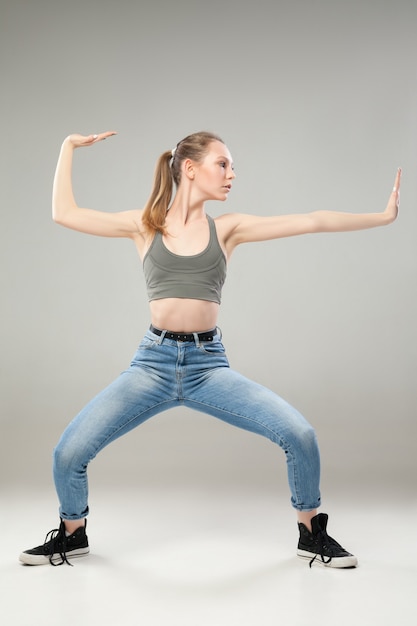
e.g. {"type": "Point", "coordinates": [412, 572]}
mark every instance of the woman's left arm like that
{"type": "Point", "coordinates": [249, 228]}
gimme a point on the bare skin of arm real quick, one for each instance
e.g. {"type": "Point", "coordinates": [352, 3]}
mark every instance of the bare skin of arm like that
{"type": "Point", "coordinates": [250, 228]}
{"type": "Point", "coordinates": [65, 210]}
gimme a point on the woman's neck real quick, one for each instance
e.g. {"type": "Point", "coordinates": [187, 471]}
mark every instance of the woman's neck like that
{"type": "Point", "coordinates": [186, 207]}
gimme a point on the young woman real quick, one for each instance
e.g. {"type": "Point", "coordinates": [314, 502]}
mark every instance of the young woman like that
{"type": "Point", "coordinates": [181, 359]}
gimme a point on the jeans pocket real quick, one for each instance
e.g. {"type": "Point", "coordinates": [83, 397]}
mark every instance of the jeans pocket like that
{"type": "Point", "coordinates": [147, 343]}
{"type": "Point", "coordinates": [216, 348]}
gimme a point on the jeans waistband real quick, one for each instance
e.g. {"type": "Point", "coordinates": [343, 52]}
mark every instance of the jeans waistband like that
{"type": "Point", "coordinates": [208, 335]}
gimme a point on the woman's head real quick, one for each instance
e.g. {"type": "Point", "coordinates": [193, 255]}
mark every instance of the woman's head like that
{"type": "Point", "coordinates": [194, 147]}
{"type": "Point", "coordinates": [168, 172]}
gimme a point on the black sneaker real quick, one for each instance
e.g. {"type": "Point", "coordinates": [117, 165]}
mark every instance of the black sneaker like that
{"type": "Point", "coordinates": [58, 548]}
{"type": "Point", "coordinates": [320, 548]}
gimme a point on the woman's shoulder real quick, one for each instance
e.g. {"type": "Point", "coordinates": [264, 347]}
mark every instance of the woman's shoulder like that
{"type": "Point", "coordinates": [228, 221]}
{"type": "Point", "coordinates": [226, 226]}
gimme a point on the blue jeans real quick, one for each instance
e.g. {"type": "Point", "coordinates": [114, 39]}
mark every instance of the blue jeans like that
{"type": "Point", "coordinates": [165, 373]}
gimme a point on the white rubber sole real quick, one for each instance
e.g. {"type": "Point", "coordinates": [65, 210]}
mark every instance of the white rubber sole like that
{"type": "Point", "coordinates": [337, 562]}
{"type": "Point", "coordinates": [40, 559]}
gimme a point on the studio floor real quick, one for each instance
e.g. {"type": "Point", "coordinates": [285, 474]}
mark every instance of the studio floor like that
{"type": "Point", "coordinates": [196, 557]}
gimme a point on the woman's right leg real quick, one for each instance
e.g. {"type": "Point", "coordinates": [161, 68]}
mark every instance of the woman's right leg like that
{"type": "Point", "coordinates": [143, 390]}
{"type": "Point", "coordinates": [146, 388]}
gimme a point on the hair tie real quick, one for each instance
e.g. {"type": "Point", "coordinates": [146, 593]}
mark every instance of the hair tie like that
{"type": "Point", "coordinates": [173, 151]}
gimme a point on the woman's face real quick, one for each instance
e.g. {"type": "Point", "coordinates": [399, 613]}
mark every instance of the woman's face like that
{"type": "Point", "coordinates": [214, 174]}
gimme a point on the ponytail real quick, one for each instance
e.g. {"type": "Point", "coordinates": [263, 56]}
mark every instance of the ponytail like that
{"type": "Point", "coordinates": [155, 210]}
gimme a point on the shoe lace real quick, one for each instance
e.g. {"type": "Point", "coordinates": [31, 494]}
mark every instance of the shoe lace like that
{"type": "Point", "coordinates": [57, 545]}
{"type": "Point", "coordinates": [324, 541]}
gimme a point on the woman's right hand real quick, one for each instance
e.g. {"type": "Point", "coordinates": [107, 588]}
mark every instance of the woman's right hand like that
{"type": "Point", "coordinates": [82, 141]}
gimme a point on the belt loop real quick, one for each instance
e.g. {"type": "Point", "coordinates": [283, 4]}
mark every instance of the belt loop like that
{"type": "Point", "coordinates": [219, 332]}
{"type": "Point", "coordinates": [196, 339]}
{"type": "Point", "coordinates": [162, 337]}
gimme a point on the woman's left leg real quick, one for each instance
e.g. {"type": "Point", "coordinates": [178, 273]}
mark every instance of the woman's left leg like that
{"type": "Point", "coordinates": [226, 394]}
{"type": "Point", "coordinates": [211, 386]}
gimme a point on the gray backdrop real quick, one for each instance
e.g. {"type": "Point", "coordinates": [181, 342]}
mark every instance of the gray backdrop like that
{"type": "Point", "coordinates": [316, 99]}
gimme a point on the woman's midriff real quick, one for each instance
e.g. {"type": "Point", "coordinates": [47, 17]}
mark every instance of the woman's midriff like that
{"type": "Point", "coordinates": [184, 315]}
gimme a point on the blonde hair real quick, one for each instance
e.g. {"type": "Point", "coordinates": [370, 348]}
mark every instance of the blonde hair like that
{"type": "Point", "coordinates": [168, 173]}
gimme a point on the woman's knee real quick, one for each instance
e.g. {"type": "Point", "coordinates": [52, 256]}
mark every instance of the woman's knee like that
{"type": "Point", "coordinates": [67, 456]}
{"type": "Point", "coordinates": [303, 437]}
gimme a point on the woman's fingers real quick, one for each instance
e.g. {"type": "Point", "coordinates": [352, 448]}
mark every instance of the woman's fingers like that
{"type": "Point", "coordinates": [397, 181]}
{"type": "Point", "coordinates": [79, 141]}
{"type": "Point", "coordinates": [102, 136]}
{"type": "Point", "coordinates": [394, 199]}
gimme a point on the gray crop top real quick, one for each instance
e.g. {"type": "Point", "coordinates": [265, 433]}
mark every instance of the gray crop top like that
{"type": "Point", "coordinates": [198, 277]}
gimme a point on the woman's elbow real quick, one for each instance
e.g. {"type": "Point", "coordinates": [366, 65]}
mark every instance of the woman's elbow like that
{"type": "Point", "coordinates": [315, 222]}
{"type": "Point", "coordinates": [60, 215]}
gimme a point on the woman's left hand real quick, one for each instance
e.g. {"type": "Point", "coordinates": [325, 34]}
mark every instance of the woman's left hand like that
{"type": "Point", "coordinates": [393, 205]}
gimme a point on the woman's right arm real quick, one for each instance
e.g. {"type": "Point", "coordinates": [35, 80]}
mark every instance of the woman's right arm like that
{"type": "Point", "coordinates": [65, 210]}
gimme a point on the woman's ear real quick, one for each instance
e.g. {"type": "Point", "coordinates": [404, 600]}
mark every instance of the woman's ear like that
{"type": "Point", "coordinates": [189, 168]}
